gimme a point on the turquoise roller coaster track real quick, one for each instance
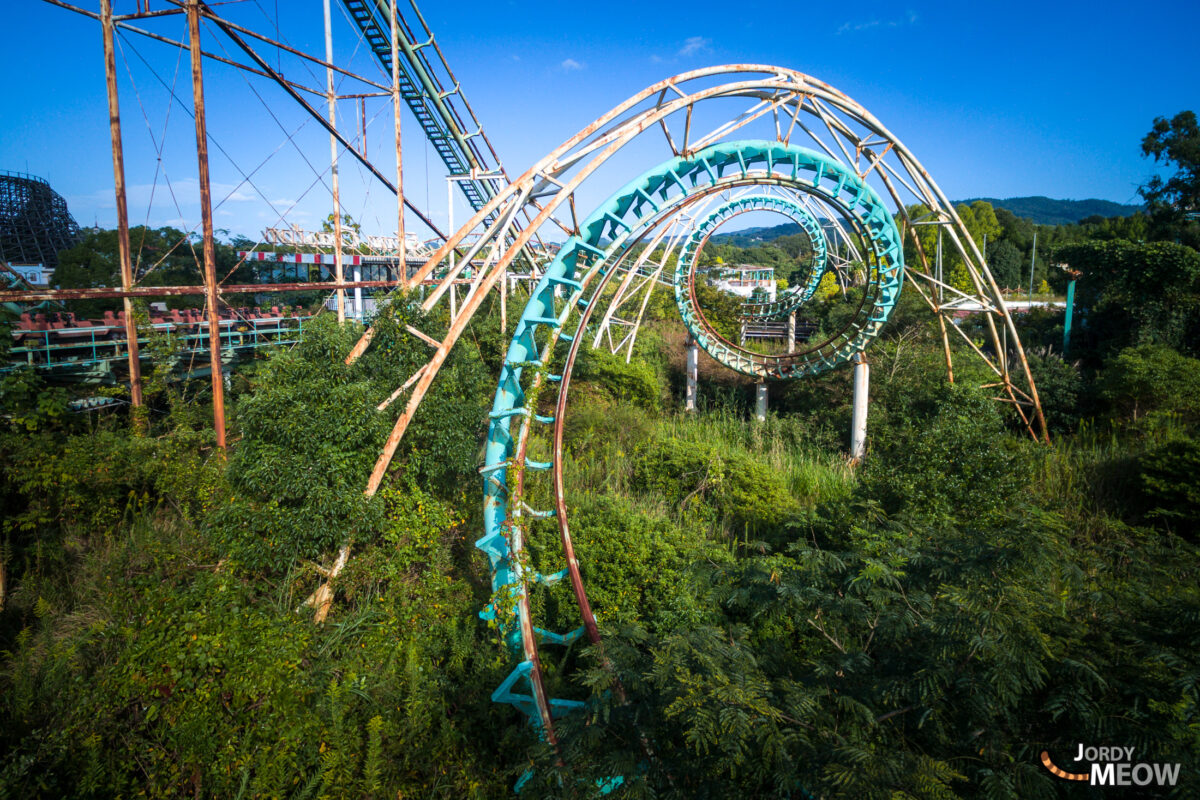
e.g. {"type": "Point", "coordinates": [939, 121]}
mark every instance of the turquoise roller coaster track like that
{"type": "Point", "coordinates": [562, 291]}
{"type": "Point", "coordinates": [793, 297]}
{"type": "Point", "coordinates": [843, 190]}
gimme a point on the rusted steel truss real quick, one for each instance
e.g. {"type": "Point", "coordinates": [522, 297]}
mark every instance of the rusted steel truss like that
{"type": "Point", "coordinates": [244, 39]}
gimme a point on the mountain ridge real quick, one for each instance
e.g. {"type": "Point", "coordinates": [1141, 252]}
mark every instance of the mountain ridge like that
{"type": "Point", "coordinates": [1049, 211]}
{"type": "Point", "coordinates": [1039, 209]}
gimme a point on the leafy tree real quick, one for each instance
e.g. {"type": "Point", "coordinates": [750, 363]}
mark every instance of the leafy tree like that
{"type": "Point", "coordinates": [1004, 260]}
{"type": "Point", "coordinates": [979, 218]}
{"type": "Point", "coordinates": [1170, 484]}
{"type": "Point", "coordinates": [781, 625]}
{"type": "Point", "coordinates": [1134, 228]}
{"type": "Point", "coordinates": [1129, 293]}
{"type": "Point", "coordinates": [1152, 378]}
{"type": "Point", "coordinates": [161, 257]}
{"type": "Point", "coordinates": [1175, 202]}
{"type": "Point", "coordinates": [722, 309]}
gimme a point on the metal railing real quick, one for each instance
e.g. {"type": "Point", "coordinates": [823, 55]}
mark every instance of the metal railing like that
{"type": "Point", "coordinates": [83, 347]}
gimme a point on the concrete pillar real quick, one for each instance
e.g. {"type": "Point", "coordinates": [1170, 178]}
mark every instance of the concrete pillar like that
{"type": "Point", "coordinates": [760, 401]}
{"type": "Point", "coordinates": [693, 373]}
{"type": "Point", "coordinates": [792, 332]}
{"type": "Point", "coordinates": [858, 424]}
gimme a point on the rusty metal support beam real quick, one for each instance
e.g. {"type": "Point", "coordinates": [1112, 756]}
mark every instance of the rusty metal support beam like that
{"type": "Point", "coordinates": [328, 63]}
{"type": "Point", "coordinates": [275, 76]}
{"type": "Point", "coordinates": [37, 295]}
{"type": "Point", "coordinates": [210, 254]}
{"type": "Point", "coordinates": [167, 40]}
{"type": "Point", "coordinates": [123, 248]}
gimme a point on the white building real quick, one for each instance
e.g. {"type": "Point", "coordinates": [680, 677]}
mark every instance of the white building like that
{"type": "Point", "coordinates": [36, 274]}
{"type": "Point", "coordinates": [744, 279]}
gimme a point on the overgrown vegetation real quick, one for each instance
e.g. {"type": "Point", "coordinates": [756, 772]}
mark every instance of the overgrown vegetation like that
{"type": "Point", "coordinates": [779, 623]}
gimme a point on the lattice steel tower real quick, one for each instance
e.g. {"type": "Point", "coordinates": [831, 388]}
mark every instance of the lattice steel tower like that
{"type": "Point", "coordinates": [34, 221]}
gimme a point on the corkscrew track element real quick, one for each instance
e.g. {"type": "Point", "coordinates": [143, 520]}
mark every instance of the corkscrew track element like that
{"type": "Point", "coordinates": [794, 296]}
{"type": "Point", "coordinates": [801, 169]}
{"type": "Point", "coordinates": [728, 131]}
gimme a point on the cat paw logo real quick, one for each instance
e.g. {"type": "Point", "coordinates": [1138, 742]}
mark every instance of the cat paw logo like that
{"type": "Point", "coordinates": [1114, 766]}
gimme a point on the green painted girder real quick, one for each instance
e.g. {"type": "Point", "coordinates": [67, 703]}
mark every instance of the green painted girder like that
{"type": "Point", "coordinates": [828, 179]}
{"type": "Point", "coordinates": [440, 119]}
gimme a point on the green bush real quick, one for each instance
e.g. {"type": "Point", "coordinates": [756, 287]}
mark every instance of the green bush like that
{"type": "Point", "coordinates": [636, 382]}
{"type": "Point", "coordinates": [1151, 379]}
{"type": "Point", "coordinates": [637, 564]}
{"type": "Point", "coordinates": [690, 476]}
{"type": "Point", "coordinates": [944, 450]}
{"type": "Point", "coordinates": [311, 435]}
{"type": "Point", "coordinates": [1060, 387]}
{"type": "Point", "coordinates": [1170, 483]}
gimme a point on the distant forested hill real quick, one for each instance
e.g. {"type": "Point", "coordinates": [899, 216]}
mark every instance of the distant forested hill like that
{"type": "Point", "coordinates": [1041, 210]}
{"type": "Point", "coordinates": [749, 237]}
{"type": "Point", "coordinates": [1048, 211]}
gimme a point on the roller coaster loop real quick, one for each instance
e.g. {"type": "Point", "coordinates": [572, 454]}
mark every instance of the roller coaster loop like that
{"type": "Point", "coordinates": [794, 296]}
{"type": "Point", "coordinates": [850, 163]}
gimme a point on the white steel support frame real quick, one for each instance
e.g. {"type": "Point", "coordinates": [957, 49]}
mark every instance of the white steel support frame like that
{"type": "Point", "coordinates": [331, 100]}
{"type": "Point", "coordinates": [772, 98]}
{"type": "Point", "coordinates": [793, 107]}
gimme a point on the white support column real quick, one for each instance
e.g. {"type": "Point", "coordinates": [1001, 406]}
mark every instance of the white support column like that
{"type": "Point", "coordinates": [792, 332]}
{"type": "Point", "coordinates": [331, 99]}
{"type": "Point", "coordinates": [760, 401]}
{"type": "Point", "coordinates": [450, 220]}
{"type": "Point", "coordinates": [693, 373]}
{"type": "Point", "coordinates": [858, 425]}
{"type": "Point", "coordinates": [358, 299]}
{"type": "Point", "coordinates": [502, 285]}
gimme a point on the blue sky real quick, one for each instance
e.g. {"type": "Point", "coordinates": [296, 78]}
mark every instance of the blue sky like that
{"type": "Point", "coordinates": [994, 99]}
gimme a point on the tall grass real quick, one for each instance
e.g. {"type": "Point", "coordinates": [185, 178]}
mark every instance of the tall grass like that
{"type": "Point", "coordinates": [1092, 474]}
{"type": "Point", "coordinates": [604, 443]}
{"type": "Point", "coordinates": [811, 473]}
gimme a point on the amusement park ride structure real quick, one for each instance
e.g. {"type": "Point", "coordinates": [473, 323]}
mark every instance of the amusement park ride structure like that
{"type": "Point", "coordinates": [733, 139]}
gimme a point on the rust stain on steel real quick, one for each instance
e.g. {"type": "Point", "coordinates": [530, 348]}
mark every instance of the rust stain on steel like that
{"type": "Point", "coordinates": [528, 637]}
{"type": "Point", "coordinates": [210, 254]}
{"type": "Point", "coordinates": [627, 133]}
{"type": "Point", "coordinates": [616, 140]}
{"type": "Point", "coordinates": [180, 45]}
{"type": "Point", "coordinates": [546, 165]}
{"type": "Point", "coordinates": [273, 75]}
{"type": "Point", "coordinates": [123, 248]}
